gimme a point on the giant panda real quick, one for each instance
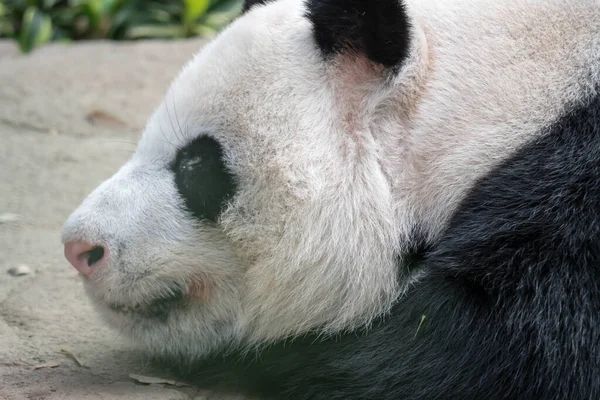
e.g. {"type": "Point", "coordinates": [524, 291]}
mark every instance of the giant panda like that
{"type": "Point", "coordinates": [352, 199]}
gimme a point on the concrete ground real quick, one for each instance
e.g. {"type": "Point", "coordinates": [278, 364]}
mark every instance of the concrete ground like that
{"type": "Point", "coordinates": [69, 117]}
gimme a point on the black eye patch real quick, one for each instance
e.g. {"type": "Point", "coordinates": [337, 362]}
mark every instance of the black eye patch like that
{"type": "Point", "coordinates": [202, 178]}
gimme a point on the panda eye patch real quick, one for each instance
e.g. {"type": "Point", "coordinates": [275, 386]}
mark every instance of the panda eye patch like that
{"type": "Point", "coordinates": [202, 178]}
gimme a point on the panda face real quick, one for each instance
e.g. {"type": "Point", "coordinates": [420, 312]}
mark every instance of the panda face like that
{"type": "Point", "coordinates": [255, 201]}
{"type": "Point", "coordinates": [285, 176]}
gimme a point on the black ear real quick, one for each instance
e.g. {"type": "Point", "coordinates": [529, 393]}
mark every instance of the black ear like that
{"type": "Point", "coordinates": [378, 28]}
{"type": "Point", "coordinates": [249, 3]}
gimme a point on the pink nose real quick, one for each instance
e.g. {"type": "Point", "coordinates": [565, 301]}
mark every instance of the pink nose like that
{"type": "Point", "coordinates": [85, 257]}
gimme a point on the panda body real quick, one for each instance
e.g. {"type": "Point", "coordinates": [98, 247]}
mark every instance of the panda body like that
{"type": "Point", "coordinates": [260, 237]}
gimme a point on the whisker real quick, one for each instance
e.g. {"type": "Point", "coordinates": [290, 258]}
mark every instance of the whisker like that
{"type": "Point", "coordinates": [177, 117]}
{"type": "Point", "coordinates": [170, 119]}
{"type": "Point", "coordinates": [165, 136]}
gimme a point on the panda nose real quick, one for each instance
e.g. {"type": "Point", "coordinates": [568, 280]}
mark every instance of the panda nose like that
{"type": "Point", "coordinates": [85, 257]}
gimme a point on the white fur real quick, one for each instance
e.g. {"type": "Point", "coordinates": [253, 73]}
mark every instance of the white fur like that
{"type": "Point", "coordinates": [338, 170]}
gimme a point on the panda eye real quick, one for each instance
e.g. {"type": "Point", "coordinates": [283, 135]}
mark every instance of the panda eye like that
{"type": "Point", "coordinates": [202, 178]}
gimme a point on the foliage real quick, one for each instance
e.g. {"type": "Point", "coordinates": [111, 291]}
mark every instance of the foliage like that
{"type": "Point", "coordinates": [35, 22]}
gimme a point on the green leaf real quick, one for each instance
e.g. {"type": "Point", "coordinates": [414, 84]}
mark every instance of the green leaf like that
{"type": "Point", "coordinates": [48, 4]}
{"type": "Point", "coordinates": [194, 9]}
{"type": "Point", "coordinates": [64, 16]}
{"type": "Point", "coordinates": [94, 9]}
{"type": "Point", "coordinates": [35, 30]}
{"type": "Point", "coordinates": [229, 6]}
{"type": "Point", "coordinates": [160, 16]}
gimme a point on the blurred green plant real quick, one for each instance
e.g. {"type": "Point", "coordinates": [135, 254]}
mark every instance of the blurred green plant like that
{"type": "Point", "coordinates": [36, 22]}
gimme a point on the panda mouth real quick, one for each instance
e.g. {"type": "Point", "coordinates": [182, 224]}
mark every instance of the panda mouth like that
{"type": "Point", "coordinates": [158, 308]}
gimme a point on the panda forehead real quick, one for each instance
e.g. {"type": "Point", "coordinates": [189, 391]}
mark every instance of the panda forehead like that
{"type": "Point", "coordinates": [222, 82]}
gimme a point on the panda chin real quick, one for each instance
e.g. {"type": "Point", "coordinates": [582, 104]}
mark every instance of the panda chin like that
{"type": "Point", "coordinates": [175, 297]}
{"type": "Point", "coordinates": [159, 308]}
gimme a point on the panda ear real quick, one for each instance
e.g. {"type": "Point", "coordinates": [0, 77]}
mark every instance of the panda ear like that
{"type": "Point", "coordinates": [378, 28]}
{"type": "Point", "coordinates": [248, 4]}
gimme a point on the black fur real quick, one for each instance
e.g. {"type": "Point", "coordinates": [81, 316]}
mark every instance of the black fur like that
{"type": "Point", "coordinates": [248, 4]}
{"type": "Point", "coordinates": [509, 307]}
{"type": "Point", "coordinates": [202, 179]}
{"type": "Point", "coordinates": [378, 28]}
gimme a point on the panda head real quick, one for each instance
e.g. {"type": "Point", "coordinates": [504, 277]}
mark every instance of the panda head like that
{"type": "Point", "coordinates": [293, 164]}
